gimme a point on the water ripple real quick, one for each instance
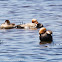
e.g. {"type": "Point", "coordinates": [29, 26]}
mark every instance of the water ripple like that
{"type": "Point", "coordinates": [23, 45]}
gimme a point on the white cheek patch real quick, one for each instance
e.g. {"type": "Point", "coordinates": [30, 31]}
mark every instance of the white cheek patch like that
{"type": "Point", "coordinates": [5, 23]}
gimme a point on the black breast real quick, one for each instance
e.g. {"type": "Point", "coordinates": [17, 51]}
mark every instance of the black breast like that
{"type": "Point", "coordinates": [45, 37]}
{"type": "Point", "coordinates": [39, 25]}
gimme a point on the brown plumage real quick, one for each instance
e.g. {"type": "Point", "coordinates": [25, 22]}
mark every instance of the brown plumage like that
{"type": "Point", "coordinates": [7, 25]}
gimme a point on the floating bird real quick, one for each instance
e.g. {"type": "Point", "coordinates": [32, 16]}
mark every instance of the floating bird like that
{"type": "Point", "coordinates": [7, 25]}
{"type": "Point", "coordinates": [45, 35]}
{"type": "Point", "coordinates": [39, 25]}
{"type": "Point", "coordinates": [32, 25]}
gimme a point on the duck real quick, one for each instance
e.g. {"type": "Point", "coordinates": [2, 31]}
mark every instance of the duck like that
{"type": "Point", "coordinates": [27, 26]}
{"type": "Point", "coordinates": [7, 25]}
{"type": "Point", "coordinates": [32, 25]}
{"type": "Point", "coordinates": [39, 25]}
{"type": "Point", "coordinates": [45, 35]}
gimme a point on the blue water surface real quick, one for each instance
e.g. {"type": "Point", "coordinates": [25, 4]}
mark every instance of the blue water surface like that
{"type": "Point", "coordinates": [21, 45]}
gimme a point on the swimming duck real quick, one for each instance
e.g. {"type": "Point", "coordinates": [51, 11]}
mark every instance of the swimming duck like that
{"type": "Point", "coordinates": [45, 35]}
{"type": "Point", "coordinates": [7, 25]}
{"type": "Point", "coordinates": [34, 24]}
{"type": "Point", "coordinates": [27, 26]}
{"type": "Point", "coordinates": [39, 25]}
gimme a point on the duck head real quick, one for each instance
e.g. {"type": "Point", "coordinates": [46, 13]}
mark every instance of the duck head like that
{"type": "Point", "coordinates": [34, 21]}
{"type": "Point", "coordinates": [7, 21]}
{"type": "Point", "coordinates": [42, 30]}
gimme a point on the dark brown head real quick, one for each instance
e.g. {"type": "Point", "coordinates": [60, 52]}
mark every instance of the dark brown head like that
{"type": "Point", "coordinates": [7, 21]}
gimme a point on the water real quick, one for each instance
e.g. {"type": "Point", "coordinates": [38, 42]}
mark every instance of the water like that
{"type": "Point", "coordinates": [22, 45]}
